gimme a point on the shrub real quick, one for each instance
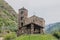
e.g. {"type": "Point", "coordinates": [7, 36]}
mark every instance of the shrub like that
{"type": "Point", "coordinates": [57, 35]}
{"type": "Point", "coordinates": [9, 36]}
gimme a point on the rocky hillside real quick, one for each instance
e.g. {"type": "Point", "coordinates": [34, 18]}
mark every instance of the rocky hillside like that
{"type": "Point", "coordinates": [8, 17]}
{"type": "Point", "coordinates": [7, 11]}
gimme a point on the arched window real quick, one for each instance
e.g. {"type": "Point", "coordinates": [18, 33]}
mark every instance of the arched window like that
{"type": "Point", "coordinates": [22, 18]}
{"type": "Point", "coordinates": [22, 12]}
{"type": "Point", "coordinates": [22, 24]}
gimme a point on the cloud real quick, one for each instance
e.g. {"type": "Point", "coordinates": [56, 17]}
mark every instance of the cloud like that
{"type": "Point", "coordinates": [48, 9]}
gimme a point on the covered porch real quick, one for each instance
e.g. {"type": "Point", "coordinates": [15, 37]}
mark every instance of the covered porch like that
{"type": "Point", "coordinates": [32, 29]}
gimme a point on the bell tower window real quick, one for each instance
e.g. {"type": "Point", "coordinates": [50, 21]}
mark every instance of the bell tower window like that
{"type": "Point", "coordinates": [21, 12]}
{"type": "Point", "coordinates": [21, 24]}
{"type": "Point", "coordinates": [22, 18]}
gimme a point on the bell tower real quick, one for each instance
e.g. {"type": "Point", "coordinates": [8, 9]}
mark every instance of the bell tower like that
{"type": "Point", "coordinates": [23, 13]}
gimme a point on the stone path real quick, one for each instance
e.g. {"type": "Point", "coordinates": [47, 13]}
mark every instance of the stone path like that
{"type": "Point", "coordinates": [1, 38]}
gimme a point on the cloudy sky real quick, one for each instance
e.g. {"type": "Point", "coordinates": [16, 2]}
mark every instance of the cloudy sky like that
{"type": "Point", "coordinates": [47, 9]}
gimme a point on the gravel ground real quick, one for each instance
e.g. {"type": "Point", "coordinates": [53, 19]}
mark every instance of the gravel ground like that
{"type": "Point", "coordinates": [1, 38]}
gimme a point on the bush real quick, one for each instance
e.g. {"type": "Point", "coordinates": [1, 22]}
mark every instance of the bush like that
{"type": "Point", "coordinates": [57, 35]}
{"type": "Point", "coordinates": [36, 37]}
{"type": "Point", "coordinates": [10, 36]}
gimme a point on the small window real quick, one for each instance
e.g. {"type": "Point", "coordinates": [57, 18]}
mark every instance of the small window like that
{"type": "Point", "coordinates": [21, 12]}
{"type": "Point", "coordinates": [33, 20]}
{"type": "Point", "coordinates": [19, 28]}
{"type": "Point", "coordinates": [22, 18]}
{"type": "Point", "coordinates": [21, 24]}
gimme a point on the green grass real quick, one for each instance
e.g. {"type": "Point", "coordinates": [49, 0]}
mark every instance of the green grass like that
{"type": "Point", "coordinates": [10, 36]}
{"type": "Point", "coordinates": [36, 37]}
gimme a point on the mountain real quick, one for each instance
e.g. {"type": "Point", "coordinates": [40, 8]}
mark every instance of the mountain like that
{"type": "Point", "coordinates": [7, 10]}
{"type": "Point", "coordinates": [53, 27]}
{"type": "Point", "coordinates": [8, 17]}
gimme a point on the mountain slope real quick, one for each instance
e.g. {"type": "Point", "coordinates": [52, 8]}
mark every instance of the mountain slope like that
{"type": "Point", "coordinates": [6, 8]}
{"type": "Point", "coordinates": [53, 27]}
{"type": "Point", "coordinates": [8, 17]}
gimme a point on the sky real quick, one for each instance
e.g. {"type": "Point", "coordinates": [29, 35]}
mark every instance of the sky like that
{"type": "Point", "coordinates": [47, 9]}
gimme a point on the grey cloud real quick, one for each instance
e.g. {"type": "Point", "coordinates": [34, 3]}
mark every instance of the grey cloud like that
{"type": "Point", "coordinates": [48, 9]}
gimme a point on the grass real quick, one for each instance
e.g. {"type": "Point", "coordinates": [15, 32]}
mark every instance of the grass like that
{"type": "Point", "coordinates": [36, 37]}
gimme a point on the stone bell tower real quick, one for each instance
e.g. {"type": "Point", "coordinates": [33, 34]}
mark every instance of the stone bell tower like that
{"type": "Point", "coordinates": [23, 13]}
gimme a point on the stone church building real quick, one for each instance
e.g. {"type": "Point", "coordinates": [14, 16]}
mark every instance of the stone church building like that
{"type": "Point", "coordinates": [31, 25]}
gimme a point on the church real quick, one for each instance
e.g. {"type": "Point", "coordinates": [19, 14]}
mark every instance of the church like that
{"type": "Point", "coordinates": [29, 25]}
